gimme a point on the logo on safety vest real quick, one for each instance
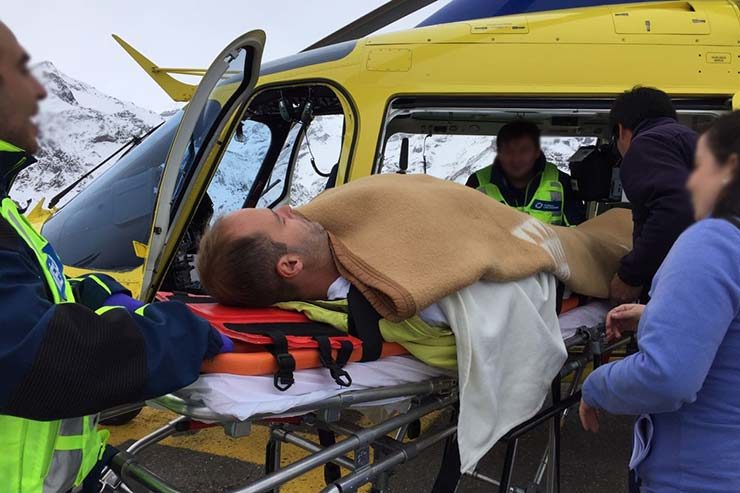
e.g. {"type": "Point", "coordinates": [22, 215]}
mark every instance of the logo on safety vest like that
{"type": "Point", "coordinates": [56, 269]}
{"type": "Point", "coordinates": [540, 205]}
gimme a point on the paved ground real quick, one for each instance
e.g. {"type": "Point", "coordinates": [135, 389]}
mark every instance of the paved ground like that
{"type": "Point", "coordinates": [209, 461]}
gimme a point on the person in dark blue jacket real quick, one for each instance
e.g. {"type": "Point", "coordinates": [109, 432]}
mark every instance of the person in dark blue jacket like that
{"type": "Point", "coordinates": [684, 380]}
{"type": "Point", "coordinates": [657, 156]}
{"type": "Point", "coordinates": [69, 348]}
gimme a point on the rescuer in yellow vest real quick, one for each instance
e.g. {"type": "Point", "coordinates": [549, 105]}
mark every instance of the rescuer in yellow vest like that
{"type": "Point", "coordinates": [69, 348]}
{"type": "Point", "coordinates": [520, 177]}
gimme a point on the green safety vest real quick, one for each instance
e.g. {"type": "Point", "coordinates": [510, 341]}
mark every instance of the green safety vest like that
{"type": "Point", "coordinates": [45, 456]}
{"type": "Point", "coordinates": [547, 202]}
{"type": "Point", "coordinates": [430, 344]}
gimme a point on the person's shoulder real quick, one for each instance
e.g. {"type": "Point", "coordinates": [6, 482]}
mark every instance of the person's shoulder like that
{"type": "Point", "coordinates": [710, 240]}
{"type": "Point", "coordinates": [483, 168]}
{"type": "Point", "coordinates": [713, 228]}
{"type": "Point", "coordinates": [668, 130]}
{"type": "Point", "coordinates": [473, 180]}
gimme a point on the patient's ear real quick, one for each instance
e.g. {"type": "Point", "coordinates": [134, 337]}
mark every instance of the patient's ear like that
{"type": "Point", "coordinates": [289, 266]}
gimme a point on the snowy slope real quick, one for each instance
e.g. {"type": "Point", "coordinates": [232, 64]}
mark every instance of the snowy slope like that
{"type": "Point", "coordinates": [451, 157]}
{"type": "Point", "coordinates": [79, 127]}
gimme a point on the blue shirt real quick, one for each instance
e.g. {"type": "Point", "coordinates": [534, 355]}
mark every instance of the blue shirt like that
{"type": "Point", "coordinates": [686, 375]}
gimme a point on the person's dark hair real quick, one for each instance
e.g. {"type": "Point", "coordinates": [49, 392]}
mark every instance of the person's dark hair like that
{"type": "Point", "coordinates": [639, 104]}
{"type": "Point", "coordinates": [517, 130]}
{"type": "Point", "coordinates": [723, 140]}
{"type": "Point", "coordinates": [241, 271]}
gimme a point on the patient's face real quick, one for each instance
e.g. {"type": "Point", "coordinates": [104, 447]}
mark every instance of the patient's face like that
{"type": "Point", "coordinates": [281, 225]}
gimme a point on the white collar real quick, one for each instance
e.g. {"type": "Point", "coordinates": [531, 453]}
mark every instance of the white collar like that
{"type": "Point", "coordinates": [338, 290]}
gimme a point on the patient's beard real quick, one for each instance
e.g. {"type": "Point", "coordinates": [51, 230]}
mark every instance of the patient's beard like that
{"type": "Point", "coordinates": [320, 270]}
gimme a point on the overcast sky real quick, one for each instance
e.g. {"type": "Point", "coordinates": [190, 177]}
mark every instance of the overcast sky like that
{"type": "Point", "coordinates": [76, 34]}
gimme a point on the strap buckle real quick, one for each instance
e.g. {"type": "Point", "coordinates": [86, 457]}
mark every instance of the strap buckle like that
{"type": "Point", "coordinates": [340, 376]}
{"type": "Point", "coordinates": [283, 378]}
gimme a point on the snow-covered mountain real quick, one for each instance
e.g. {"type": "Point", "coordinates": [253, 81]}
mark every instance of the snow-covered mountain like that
{"type": "Point", "coordinates": [80, 126]}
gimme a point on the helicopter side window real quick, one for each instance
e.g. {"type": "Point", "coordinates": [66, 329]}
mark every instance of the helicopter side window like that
{"type": "Point", "coordinates": [317, 158]}
{"type": "Point", "coordinates": [279, 176]}
{"type": "Point", "coordinates": [456, 157]}
{"type": "Point", "coordinates": [449, 157]}
{"type": "Point", "coordinates": [239, 166]}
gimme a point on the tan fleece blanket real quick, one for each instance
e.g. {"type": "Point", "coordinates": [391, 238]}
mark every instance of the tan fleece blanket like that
{"type": "Point", "coordinates": [408, 241]}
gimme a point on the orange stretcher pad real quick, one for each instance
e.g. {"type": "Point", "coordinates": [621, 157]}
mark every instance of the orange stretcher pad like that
{"type": "Point", "coordinates": [263, 363]}
{"type": "Point", "coordinates": [276, 342]}
{"type": "Point", "coordinates": [251, 355]}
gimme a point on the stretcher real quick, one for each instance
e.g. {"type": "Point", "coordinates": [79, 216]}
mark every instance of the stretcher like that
{"type": "Point", "coordinates": [394, 393]}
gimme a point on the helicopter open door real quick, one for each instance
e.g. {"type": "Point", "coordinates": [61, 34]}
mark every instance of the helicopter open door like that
{"type": "Point", "coordinates": [196, 147]}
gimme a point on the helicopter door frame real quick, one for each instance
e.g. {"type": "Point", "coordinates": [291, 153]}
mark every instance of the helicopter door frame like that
{"type": "Point", "coordinates": [162, 229]}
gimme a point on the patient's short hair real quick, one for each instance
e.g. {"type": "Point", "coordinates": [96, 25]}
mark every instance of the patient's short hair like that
{"type": "Point", "coordinates": [241, 270]}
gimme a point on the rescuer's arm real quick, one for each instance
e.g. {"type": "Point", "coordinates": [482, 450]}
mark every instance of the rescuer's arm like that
{"type": "Point", "coordinates": [69, 360]}
{"type": "Point", "coordinates": [651, 181]}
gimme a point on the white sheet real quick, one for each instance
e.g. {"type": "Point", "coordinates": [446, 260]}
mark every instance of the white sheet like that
{"type": "Point", "coordinates": [245, 396]}
{"type": "Point", "coordinates": [242, 397]}
{"type": "Point", "coordinates": [506, 363]}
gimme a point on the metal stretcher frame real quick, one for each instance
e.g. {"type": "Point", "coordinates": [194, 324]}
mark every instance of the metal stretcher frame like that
{"type": "Point", "coordinates": [425, 397]}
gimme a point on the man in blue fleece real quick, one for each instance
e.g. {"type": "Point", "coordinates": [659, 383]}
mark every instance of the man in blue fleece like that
{"type": "Point", "coordinates": [69, 348]}
{"type": "Point", "coordinates": [657, 156]}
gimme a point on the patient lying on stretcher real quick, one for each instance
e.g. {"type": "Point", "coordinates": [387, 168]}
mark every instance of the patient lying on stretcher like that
{"type": "Point", "coordinates": [458, 279]}
{"type": "Point", "coordinates": [406, 243]}
{"type": "Point", "coordinates": [261, 257]}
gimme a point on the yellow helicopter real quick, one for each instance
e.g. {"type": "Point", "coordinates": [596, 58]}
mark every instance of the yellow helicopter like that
{"type": "Point", "coordinates": [472, 67]}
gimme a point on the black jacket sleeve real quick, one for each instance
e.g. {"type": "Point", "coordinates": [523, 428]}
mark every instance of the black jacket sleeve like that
{"type": "Point", "coordinates": [654, 180]}
{"type": "Point", "coordinates": [68, 360]}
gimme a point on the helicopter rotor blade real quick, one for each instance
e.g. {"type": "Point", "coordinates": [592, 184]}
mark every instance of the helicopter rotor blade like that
{"type": "Point", "coordinates": [384, 15]}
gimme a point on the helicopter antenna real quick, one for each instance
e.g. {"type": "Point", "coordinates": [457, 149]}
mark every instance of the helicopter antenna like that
{"type": "Point", "coordinates": [133, 143]}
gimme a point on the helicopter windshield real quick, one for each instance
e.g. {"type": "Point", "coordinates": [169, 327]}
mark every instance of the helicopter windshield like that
{"type": "Point", "coordinates": [114, 209]}
{"type": "Point", "coordinates": [95, 228]}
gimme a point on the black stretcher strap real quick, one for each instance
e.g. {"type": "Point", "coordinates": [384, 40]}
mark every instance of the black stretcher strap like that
{"type": "Point", "coordinates": [283, 378]}
{"type": "Point", "coordinates": [335, 367]}
{"type": "Point", "coordinates": [449, 474]}
{"type": "Point", "coordinates": [364, 323]}
{"type": "Point", "coordinates": [184, 297]}
{"type": "Point", "coordinates": [306, 329]}
{"type": "Point", "coordinates": [331, 471]}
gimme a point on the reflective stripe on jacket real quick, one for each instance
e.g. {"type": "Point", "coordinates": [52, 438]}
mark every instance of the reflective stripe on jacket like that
{"type": "Point", "coordinates": [65, 354]}
{"type": "Point", "coordinates": [547, 203]}
{"type": "Point", "coordinates": [46, 456]}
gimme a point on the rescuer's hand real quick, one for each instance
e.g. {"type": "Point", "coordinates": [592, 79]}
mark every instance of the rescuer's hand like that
{"type": "Point", "coordinates": [228, 344]}
{"type": "Point", "coordinates": [620, 292]}
{"type": "Point", "coordinates": [124, 300]}
{"type": "Point", "coordinates": [623, 318]}
{"type": "Point", "coordinates": [589, 417]}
